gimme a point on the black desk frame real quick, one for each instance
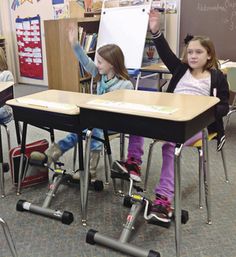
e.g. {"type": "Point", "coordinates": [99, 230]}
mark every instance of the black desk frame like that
{"type": "Point", "coordinates": [50, 120]}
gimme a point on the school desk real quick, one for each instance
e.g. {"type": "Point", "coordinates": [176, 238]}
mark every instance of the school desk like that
{"type": "Point", "coordinates": [52, 109]}
{"type": "Point", "coordinates": [165, 116]}
{"type": "Point", "coordinates": [152, 70]}
{"type": "Point", "coordinates": [160, 69]}
{"type": "Point", "coordinates": [6, 93]}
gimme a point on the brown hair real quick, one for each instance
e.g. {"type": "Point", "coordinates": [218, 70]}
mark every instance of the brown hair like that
{"type": "Point", "coordinates": [113, 54]}
{"type": "Point", "coordinates": [3, 60]}
{"type": "Point", "coordinates": [209, 46]}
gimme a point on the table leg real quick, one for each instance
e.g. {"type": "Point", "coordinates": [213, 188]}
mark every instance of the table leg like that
{"type": "Point", "coordinates": [8, 237]}
{"type": "Point", "coordinates": [107, 156]}
{"type": "Point", "coordinates": [18, 136]}
{"type": "Point", "coordinates": [1, 167]}
{"type": "Point", "coordinates": [206, 174]}
{"type": "Point", "coordinates": [177, 201]}
{"type": "Point", "coordinates": [22, 153]}
{"type": "Point", "coordinates": [84, 178]}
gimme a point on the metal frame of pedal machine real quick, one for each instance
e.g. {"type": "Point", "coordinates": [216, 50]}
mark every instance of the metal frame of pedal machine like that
{"type": "Point", "coordinates": [138, 204]}
{"type": "Point", "coordinates": [60, 176]}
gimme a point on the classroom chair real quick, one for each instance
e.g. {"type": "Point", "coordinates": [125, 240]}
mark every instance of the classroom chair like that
{"type": "Point", "coordinates": [8, 237]}
{"type": "Point", "coordinates": [2, 125]}
{"type": "Point", "coordinates": [198, 146]}
{"type": "Point", "coordinates": [5, 165]}
{"type": "Point", "coordinates": [231, 78]}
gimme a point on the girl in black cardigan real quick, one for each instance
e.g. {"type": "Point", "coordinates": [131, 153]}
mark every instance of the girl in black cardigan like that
{"type": "Point", "coordinates": [196, 74]}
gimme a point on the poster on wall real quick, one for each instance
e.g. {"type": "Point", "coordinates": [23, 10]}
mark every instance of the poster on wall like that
{"type": "Point", "coordinates": [28, 36]}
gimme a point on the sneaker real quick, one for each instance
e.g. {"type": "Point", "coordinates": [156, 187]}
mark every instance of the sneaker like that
{"type": "Point", "coordinates": [161, 208]}
{"type": "Point", "coordinates": [94, 160]}
{"type": "Point", "coordinates": [220, 142]}
{"type": "Point", "coordinates": [5, 114]}
{"type": "Point", "coordinates": [53, 153]}
{"type": "Point", "coordinates": [131, 167]}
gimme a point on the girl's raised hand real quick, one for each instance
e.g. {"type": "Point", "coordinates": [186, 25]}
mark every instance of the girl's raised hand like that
{"type": "Point", "coordinates": [73, 34]}
{"type": "Point", "coordinates": [154, 21]}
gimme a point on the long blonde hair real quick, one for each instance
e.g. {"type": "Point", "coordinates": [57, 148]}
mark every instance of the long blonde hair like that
{"type": "Point", "coordinates": [3, 60]}
{"type": "Point", "coordinates": [113, 54]}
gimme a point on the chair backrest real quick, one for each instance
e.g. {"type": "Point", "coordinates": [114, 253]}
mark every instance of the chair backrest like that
{"type": "Point", "coordinates": [231, 78]}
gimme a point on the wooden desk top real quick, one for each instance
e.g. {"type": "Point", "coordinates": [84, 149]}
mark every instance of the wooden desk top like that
{"type": "Point", "coordinates": [167, 106]}
{"type": "Point", "coordinates": [160, 67]}
{"type": "Point", "coordinates": [53, 101]}
{"type": "Point", "coordinates": [6, 92]}
{"type": "Point", "coordinates": [5, 85]}
{"type": "Point", "coordinates": [156, 67]}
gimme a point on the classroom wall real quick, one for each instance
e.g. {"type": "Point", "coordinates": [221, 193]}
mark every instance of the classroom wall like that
{"type": "Point", "coordinates": [45, 11]}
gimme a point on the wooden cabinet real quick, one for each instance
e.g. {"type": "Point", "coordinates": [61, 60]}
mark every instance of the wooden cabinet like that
{"type": "Point", "coordinates": [62, 65]}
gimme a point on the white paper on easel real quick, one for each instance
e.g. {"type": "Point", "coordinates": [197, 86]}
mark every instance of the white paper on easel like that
{"type": "Point", "coordinates": [126, 27]}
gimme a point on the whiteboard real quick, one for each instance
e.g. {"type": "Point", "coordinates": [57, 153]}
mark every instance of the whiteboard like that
{"type": "Point", "coordinates": [126, 27]}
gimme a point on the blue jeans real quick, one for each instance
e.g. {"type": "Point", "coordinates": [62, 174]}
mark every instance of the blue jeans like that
{"type": "Point", "coordinates": [5, 114]}
{"type": "Point", "coordinates": [71, 140]}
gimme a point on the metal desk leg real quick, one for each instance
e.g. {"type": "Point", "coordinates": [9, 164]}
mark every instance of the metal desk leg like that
{"type": "Point", "coordinates": [8, 237]}
{"type": "Point", "coordinates": [84, 178]}
{"type": "Point", "coordinates": [107, 156]}
{"type": "Point", "coordinates": [1, 167]}
{"type": "Point", "coordinates": [18, 136]}
{"type": "Point", "coordinates": [21, 167]}
{"type": "Point", "coordinates": [177, 201]}
{"type": "Point", "coordinates": [206, 174]}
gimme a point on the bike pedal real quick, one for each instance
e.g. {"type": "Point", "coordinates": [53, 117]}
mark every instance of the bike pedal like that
{"type": "Point", "coordinates": [6, 167]}
{"type": "Point", "coordinates": [157, 222]}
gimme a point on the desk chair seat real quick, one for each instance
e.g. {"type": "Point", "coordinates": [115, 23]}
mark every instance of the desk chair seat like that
{"type": "Point", "coordinates": [8, 237]}
{"type": "Point", "coordinates": [198, 145]}
{"type": "Point", "coordinates": [231, 78]}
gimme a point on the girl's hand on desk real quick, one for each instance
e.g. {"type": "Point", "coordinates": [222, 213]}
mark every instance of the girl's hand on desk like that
{"type": "Point", "coordinates": [73, 34]}
{"type": "Point", "coordinates": [154, 21]}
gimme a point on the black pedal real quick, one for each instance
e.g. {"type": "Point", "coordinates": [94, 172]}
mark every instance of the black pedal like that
{"type": "Point", "coordinates": [184, 216]}
{"type": "Point", "coordinates": [157, 222]}
{"type": "Point", "coordinates": [120, 175]}
{"type": "Point", "coordinates": [138, 188]}
{"type": "Point", "coordinates": [6, 167]}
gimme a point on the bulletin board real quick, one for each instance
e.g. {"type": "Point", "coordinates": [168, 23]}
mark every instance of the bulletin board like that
{"type": "Point", "coordinates": [126, 27]}
{"type": "Point", "coordinates": [28, 36]}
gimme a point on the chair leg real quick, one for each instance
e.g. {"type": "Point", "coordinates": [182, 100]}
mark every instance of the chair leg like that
{"type": "Point", "coordinates": [149, 163]}
{"type": "Point", "coordinates": [74, 156]}
{"type": "Point", "coordinates": [200, 167]}
{"type": "Point", "coordinates": [8, 237]}
{"type": "Point", "coordinates": [224, 165]}
{"type": "Point", "coordinates": [8, 137]}
{"type": "Point", "coordinates": [228, 117]}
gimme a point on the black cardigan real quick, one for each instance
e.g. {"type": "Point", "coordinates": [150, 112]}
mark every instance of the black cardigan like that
{"type": "Point", "coordinates": [178, 69]}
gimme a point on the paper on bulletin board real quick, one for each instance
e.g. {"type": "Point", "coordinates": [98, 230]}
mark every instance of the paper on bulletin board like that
{"type": "Point", "coordinates": [28, 35]}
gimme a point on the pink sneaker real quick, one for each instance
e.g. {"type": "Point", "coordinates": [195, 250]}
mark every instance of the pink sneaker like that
{"type": "Point", "coordinates": [161, 207]}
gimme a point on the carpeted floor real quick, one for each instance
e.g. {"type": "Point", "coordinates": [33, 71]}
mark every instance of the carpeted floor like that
{"type": "Point", "coordinates": [37, 236]}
